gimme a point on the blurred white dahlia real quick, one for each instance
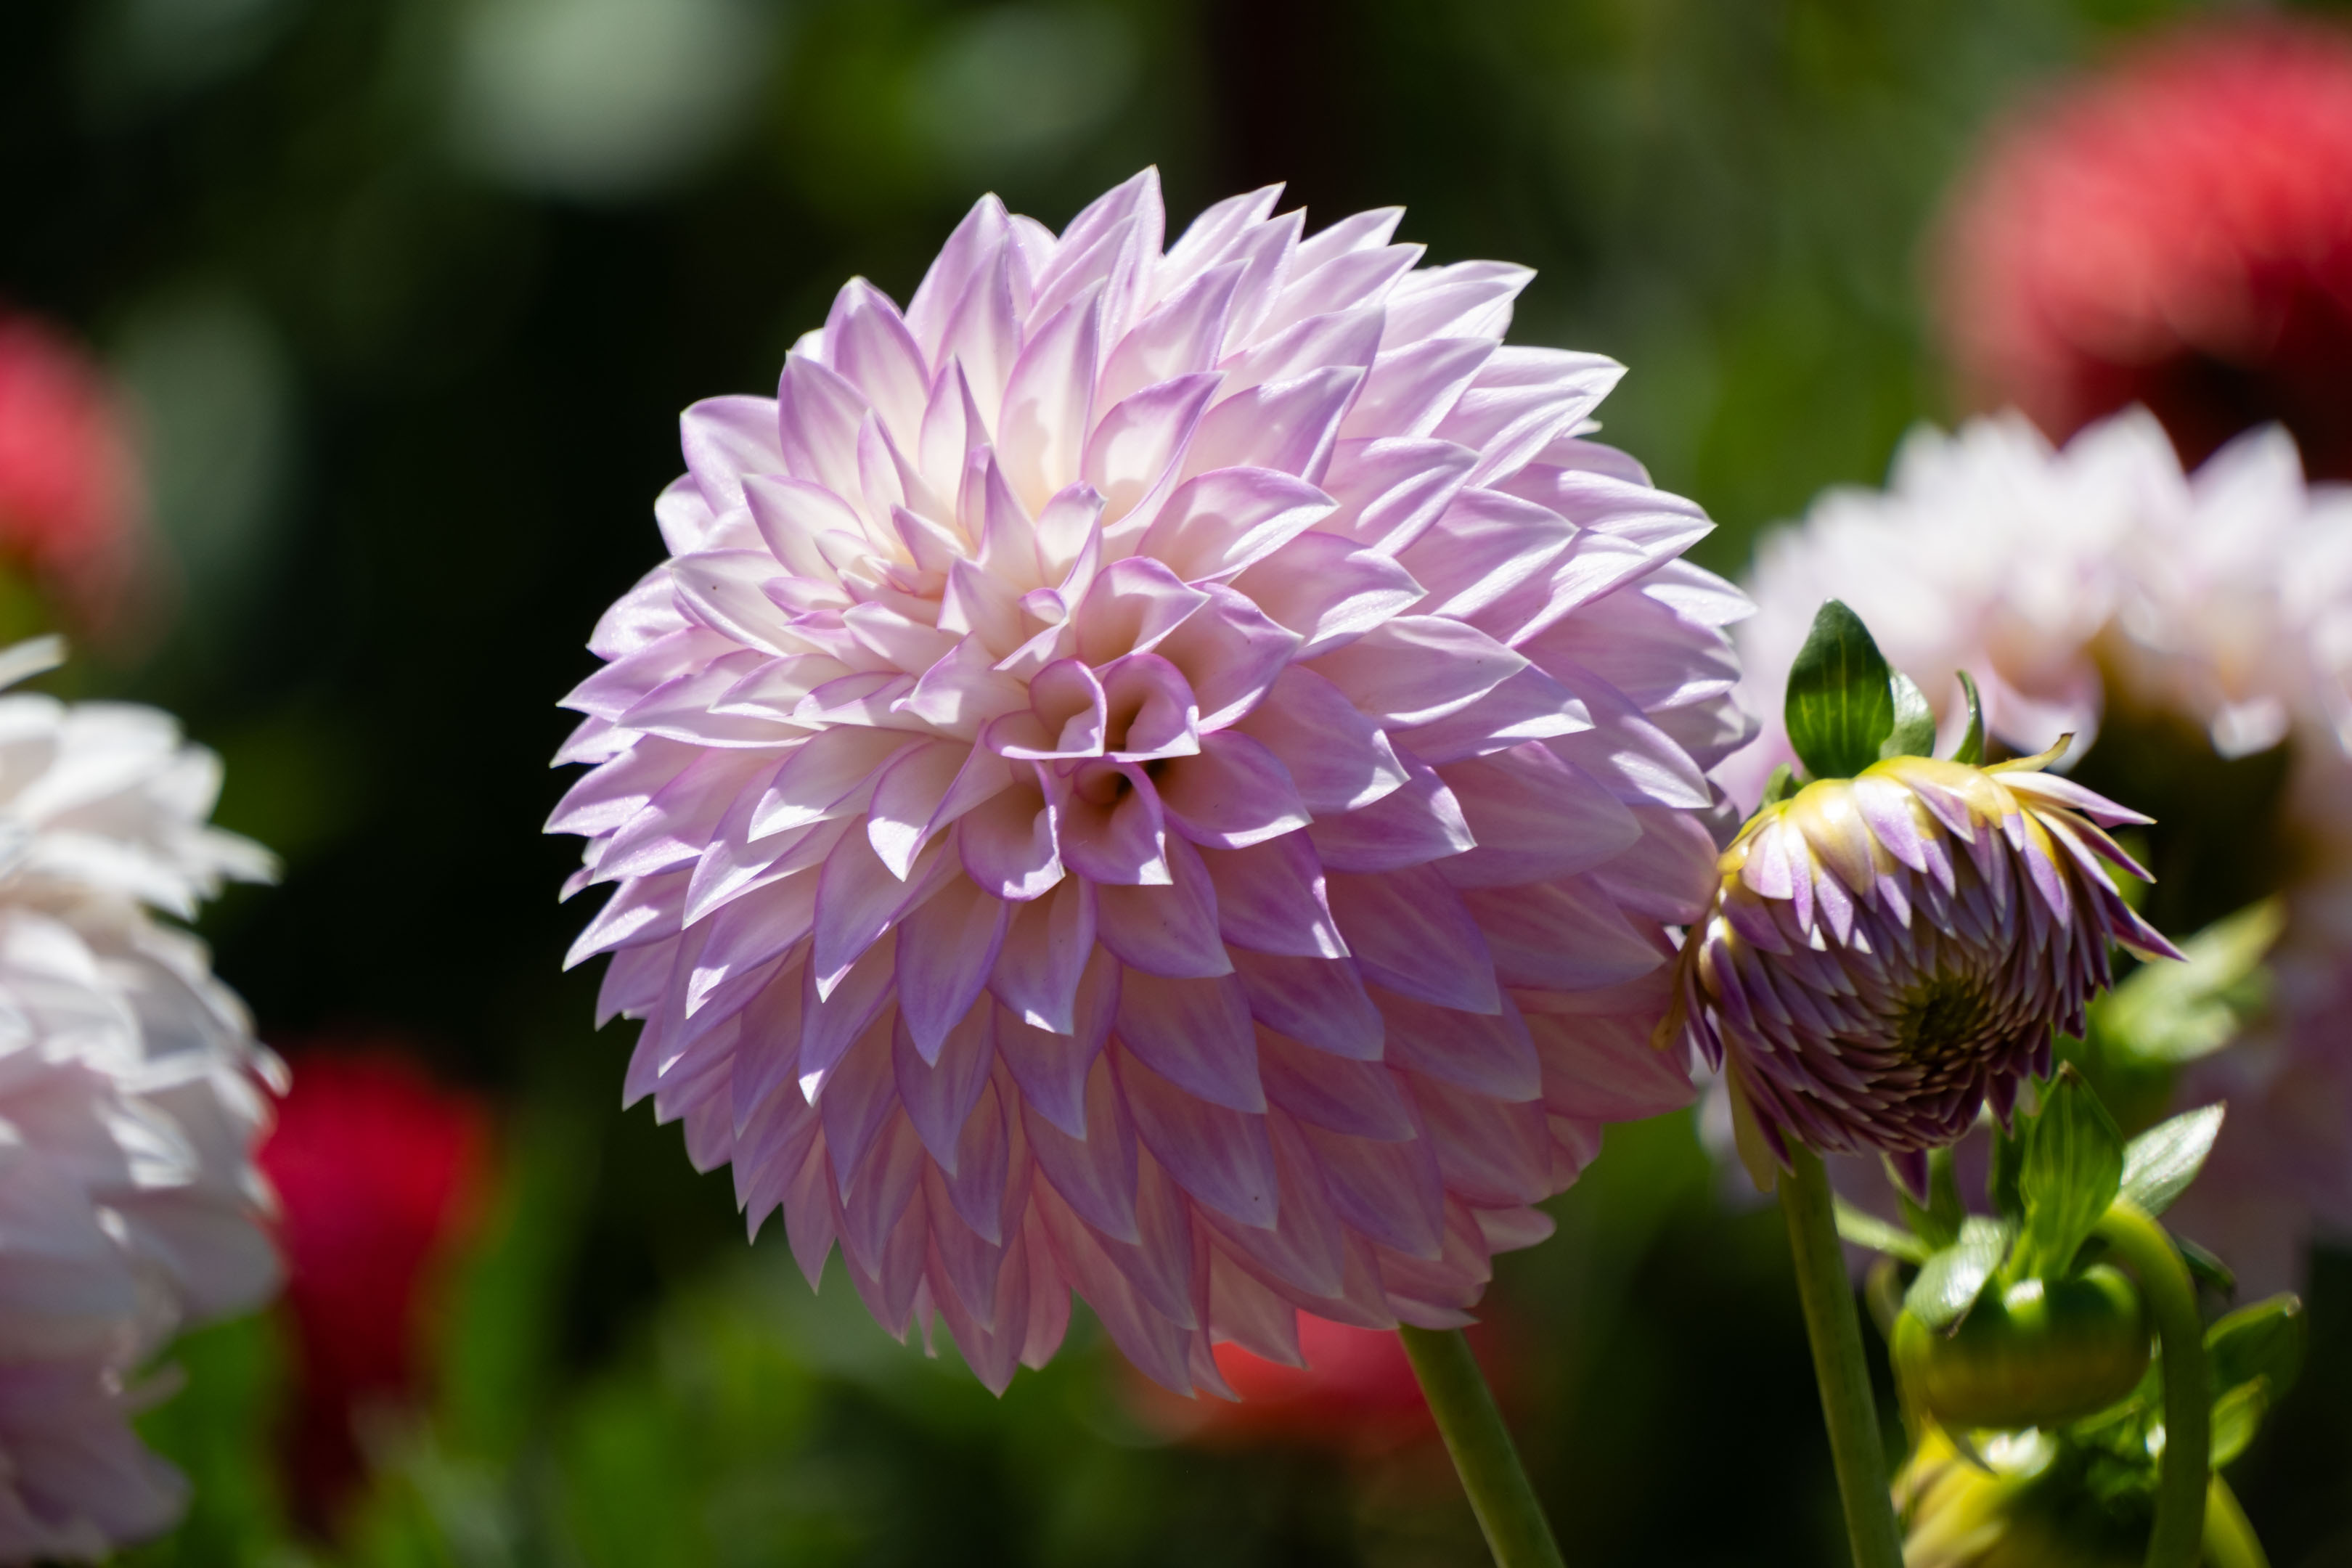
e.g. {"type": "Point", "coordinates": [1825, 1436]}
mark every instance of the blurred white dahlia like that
{"type": "Point", "coordinates": [131, 1093]}
{"type": "Point", "coordinates": [2208, 612]}
{"type": "Point", "coordinates": [1162, 774]}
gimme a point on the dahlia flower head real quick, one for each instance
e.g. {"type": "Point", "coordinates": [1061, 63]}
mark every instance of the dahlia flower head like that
{"type": "Point", "coordinates": [2174, 231]}
{"type": "Point", "coordinates": [1886, 953]}
{"type": "Point", "coordinates": [132, 1091]}
{"type": "Point", "coordinates": [1162, 774]}
{"type": "Point", "coordinates": [2068, 579]}
{"type": "Point", "coordinates": [381, 1173]}
{"type": "Point", "coordinates": [71, 502]}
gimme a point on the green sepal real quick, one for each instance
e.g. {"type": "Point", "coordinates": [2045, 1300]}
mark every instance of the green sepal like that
{"type": "Point", "coordinates": [2207, 1269]}
{"type": "Point", "coordinates": [1780, 787]}
{"type": "Point", "coordinates": [1939, 1223]}
{"type": "Point", "coordinates": [2237, 1417]}
{"type": "Point", "coordinates": [2000, 1175]}
{"type": "Point", "coordinates": [1952, 1280]}
{"type": "Point", "coordinates": [1840, 705]}
{"type": "Point", "coordinates": [1913, 734]}
{"type": "Point", "coordinates": [2161, 1161]}
{"type": "Point", "coordinates": [2073, 1168]}
{"type": "Point", "coordinates": [2264, 1342]}
{"type": "Point", "coordinates": [1971, 749]}
{"type": "Point", "coordinates": [1866, 1229]}
{"type": "Point", "coordinates": [2168, 1013]}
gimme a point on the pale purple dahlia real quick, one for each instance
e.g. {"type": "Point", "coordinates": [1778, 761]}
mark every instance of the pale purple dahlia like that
{"type": "Point", "coordinates": [1164, 774]}
{"type": "Point", "coordinates": [1885, 952]}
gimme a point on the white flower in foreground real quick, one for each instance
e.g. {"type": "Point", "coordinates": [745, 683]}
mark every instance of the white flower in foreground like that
{"type": "Point", "coordinates": [131, 1095]}
{"type": "Point", "coordinates": [2080, 582]}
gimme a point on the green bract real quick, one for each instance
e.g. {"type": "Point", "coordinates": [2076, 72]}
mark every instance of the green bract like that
{"type": "Point", "coordinates": [2040, 1353]}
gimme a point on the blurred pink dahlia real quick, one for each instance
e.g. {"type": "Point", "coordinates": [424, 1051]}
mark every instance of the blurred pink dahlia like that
{"type": "Point", "coordinates": [1159, 773]}
{"type": "Point", "coordinates": [2176, 232]}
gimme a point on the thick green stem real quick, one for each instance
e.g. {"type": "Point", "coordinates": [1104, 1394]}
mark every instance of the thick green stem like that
{"type": "Point", "coordinates": [1517, 1531]}
{"type": "Point", "coordinates": [1847, 1404]}
{"type": "Point", "coordinates": [2229, 1540]}
{"type": "Point", "coordinates": [2187, 1466]}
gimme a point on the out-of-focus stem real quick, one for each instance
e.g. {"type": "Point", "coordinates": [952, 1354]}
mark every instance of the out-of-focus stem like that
{"type": "Point", "coordinates": [1834, 1328]}
{"type": "Point", "coordinates": [1517, 1531]}
{"type": "Point", "coordinates": [2186, 1466]}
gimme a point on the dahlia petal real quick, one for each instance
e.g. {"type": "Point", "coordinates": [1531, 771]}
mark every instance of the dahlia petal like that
{"type": "Point", "coordinates": [1220, 1156]}
{"type": "Point", "coordinates": [1051, 1069]}
{"type": "Point", "coordinates": [642, 909]}
{"type": "Point", "coordinates": [1390, 1190]}
{"type": "Point", "coordinates": [725, 438]}
{"type": "Point", "coordinates": [1110, 827]}
{"type": "Point", "coordinates": [1632, 757]}
{"type": "Point", "coordinates": [1341, 275]}
{"type": "Point", "coordinates": [1234, 794]}
{"type": "Point", "coordinates": [688, 709]}
{"type": "Point", "coordinates": [605, 797]}
{"type": "Point", "coordinates": [1367, 230]}
{"type": "Point", "coordinates": [722, 589]}
{"type": "Point", "coordinates": [1483, 547]}
{"type": "Point", "coordinates": [1149, 710]}
{"type": "Point", "coordinates": [830, 1024]}
{"type": "Point", "coordinates": [904, 644]}
{"type": "Point", "coordinates": [1392, 489]}
{"type": "Point", "coordinates": [1269, 898]}
{"type": "Point", "coordinates": [976, 1182]}
{"type": "Point", "coordinates": [1412, 826]}
{"type": "Point", "coordinates": [1468, 299]}
{"type": "Point", "coordinates": [1264, 250]}
{"type": "Point", "coordinates": [1210, 238]}
{"type": "Point", "coordinates": [1094, 1171]}
{"type": "Point", "coordinates": [1319, 1001]}
{"type": "Point", "coordinates": [1301, 1252]}
{"type": "Point", "coordinates": [1249, 1315]}
{"type": "Point", "coordinates": [1195, 1033]}
{"type": "Point", "coordinates": [939, 1092]}
{"type": "Point", "coordinates": [1166, 931]}
{"type": "Point", "coordinates": [1534, 817]}
{"type": "Point", "coordinates": [1293, 346]}
{"type": "Point", "coordinates": [1338, 760]}
{"type": "Point", "coordinates": [1661, 876]}
{"type": "Point", "coordinates": [858, 899]}
{"type": "Point", "coordinates": [631, 678]}
{"type": "Point", "coordinates": [686, 522]}
{"type": "Point", "coordinates": [675, 825]}
{"type": "Point", "coordinates": [1288, 426]}
{"type": "Point", "coordinates": [872, 347]}
{"type": "Point", "coordinates": [1177, 339]}
{"type": "Point", "coordinates": [1606, 1068]}
{"type": "Point", "coordinates": [792, 516]}
{"type": "Point", "coordinates": [910, 793]}
{"type": "Point", "coordinates": [1218, 522]}
{"type": "Point", "coordinates": [1416, 669]}
{"type": "Point", "coordinates": [1528, 706]}
{"type": "Point", "coordinates": [1491, 1054]}
{"type": "Point", "coordinates": [827, 774]}
{"type": "Point", "coordinates": [1492, 1152]}
{"type": "Point", "coordinates": [887, 1181]}
{"type": "Point", "coordinates": [1359, 1099]}
{"type": "Point", "coordinates": [1041, 432]}
{"type": "Point", "coordinates": [1142, 438]}
{"type": "Point", "coordinates": [1008, 843]}
{"type": "Point", "coordinates": [979, 238]}
{"type": "Point", "coordinates": [1413, 387]}
{"type": "Point", "coordinates": [1229, 653]}
{"type": "Point", "coordinates": [817, 418]}
{"type": "Point", "coordinates": [1521, 400]}
{"type": "Point", "coordinates": [1329, 590]}
{"type": "Point", "coordinates": [1045, 950]}
{"type": "Point", "coordinates": [1411, 933]}
{"type": "Point", "coordinates": [1132, 607]}
{"type": "Point", "coordinates": [965, 1273]}
{"type": "Point", "coordinates": [1155, 1344]}
{"type": "Point", "coordinates": [946, 949]}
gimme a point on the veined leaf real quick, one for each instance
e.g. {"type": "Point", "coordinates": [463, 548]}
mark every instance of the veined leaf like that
{"type": "Point", "coordinates": [1841, 707]}
{"type": "Point", "coordinates": [2162, 1160]}
{"type": "Point", "coordinates": [1913, 734]}
{"type": "Point", "coordinates": [2174, 1013]}
{"type": "Point", "coordinates": [1866, 1229]}
{"type": "Point", "coordinates": [1952, 1280]}
{"type": "Point", "coordinates": [2073, 1168]}
{"type": "Point", "coordinates": [2265, 1341]}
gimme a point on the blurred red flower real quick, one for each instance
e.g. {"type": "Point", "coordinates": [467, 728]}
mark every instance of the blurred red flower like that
{"type": "Point", "coordinates": [381, 1173]}
{"type": "Point", "coordinates": [69, 492]}
{"type": "Point", "coordinates": [2176, 231]}
{"type": "Point", "coordinates": [1355, 1395]}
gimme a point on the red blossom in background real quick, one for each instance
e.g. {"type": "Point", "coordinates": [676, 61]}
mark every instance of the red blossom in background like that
{"type": "Point", "coordinates": [381, 1173]}
{"type": "Point", "coordinates": [70, 501]}
{"type": "Point", "coordinates": [2175, 232]}
{"type": "Point", "coordinates": [1357, 1395]}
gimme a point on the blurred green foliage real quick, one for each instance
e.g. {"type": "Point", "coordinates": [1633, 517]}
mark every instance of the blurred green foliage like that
{"type": "Point", "coordinates": [409, 293]}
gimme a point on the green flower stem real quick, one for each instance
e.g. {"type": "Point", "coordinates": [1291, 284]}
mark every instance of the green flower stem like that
{"type": "Point", "coordinates": [2229, 1538]}
{"type": "Point", "coordinates": [1847, 1404]}
{"type": "Point", "coordinates": [1517, 1531]}
{"type": "Point", "coordinates": [2186, 1466]}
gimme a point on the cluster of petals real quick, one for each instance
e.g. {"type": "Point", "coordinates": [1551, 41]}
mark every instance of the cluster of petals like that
{"type": "Point", "coordinates": [2063, 579]}
{"type": "Point", "coordinates": [2176, 231]}
{"type": "Point", "coordinates": [1886, 954]}
{"type": "Point", "coordinates": [380, 1173]}
{"type": "Point", "coordinates": [69, 492]}
{"type": "Point", "coordinates": [132, 1092]}
{"type": "Point", "coordinates": [1162, 773]}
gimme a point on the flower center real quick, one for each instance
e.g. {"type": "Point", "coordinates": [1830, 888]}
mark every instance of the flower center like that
{"type": "Point", "coordinates": [1945, 1019]}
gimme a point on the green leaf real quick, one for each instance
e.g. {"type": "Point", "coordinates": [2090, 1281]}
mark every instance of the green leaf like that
{"type": "Point", "coordinates": [2168, 1013]}
{"type": "Point", "coordinates": [2265, 1341]}
{"type": "Point", "coordinates": [1840, 705]}
{"type": "Point", "coordinates": [1950, 1280]}
{"type": "Point", "coordinates": [1866, 1229]}
{"type": "Point", "coordinates": [2162, 1160]}
{"type": "Point", "coordinates": [2207, 1269]}
{"type": "Point", "coordinates": [1971, 747]}
{"type": "Point", "coordinates": [1939, 1223]}
{"type": "Point", "coordinates": [2237, 1417]}
{"type": "Point", "coordinates": [1913, 734]}
{"type": "Point", "coordinates": [1780, 787]}
{"type": "Point", "coordinates": [2073, 1170]}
